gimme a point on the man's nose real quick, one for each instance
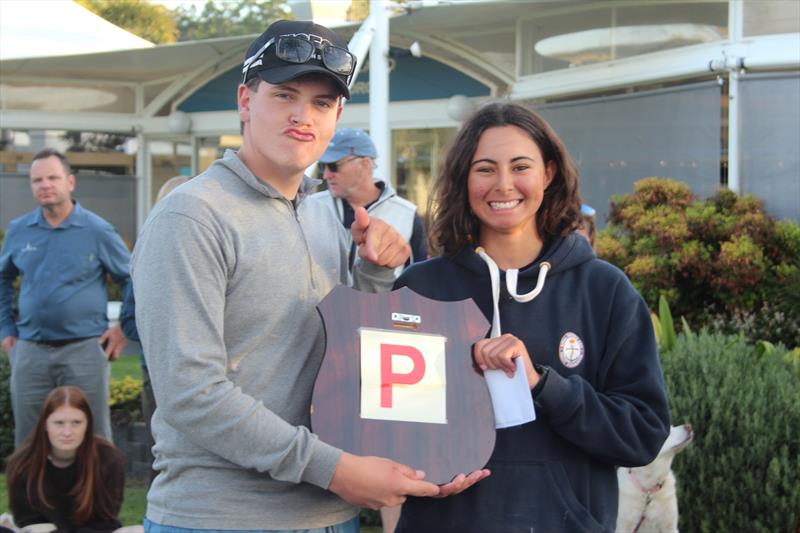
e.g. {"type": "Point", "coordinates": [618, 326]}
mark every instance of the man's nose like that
{"type": "Point", "coordinates": [327, 173]}
{"type": "Point", "coordinates": [301, 114]}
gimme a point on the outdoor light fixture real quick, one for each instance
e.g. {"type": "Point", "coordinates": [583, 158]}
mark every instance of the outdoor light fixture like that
{"type": "Point", "coordinates": [179, 122]}
{"type": "Point", "coordinates": [459, 107]}
{"type": "Point", "coordinates": [413, 50]}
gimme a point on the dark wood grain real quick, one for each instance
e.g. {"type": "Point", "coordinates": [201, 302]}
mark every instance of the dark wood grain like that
{"type": "Point", "coordinates": [463, 444]}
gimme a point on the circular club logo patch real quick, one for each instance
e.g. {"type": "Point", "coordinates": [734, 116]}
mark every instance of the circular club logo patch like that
{"type": "Point", "coordinates": [570, 350]}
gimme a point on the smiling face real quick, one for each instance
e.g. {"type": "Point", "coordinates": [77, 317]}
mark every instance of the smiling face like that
{"type": "Point", "coordinates": [287, 127]}
{"type": "Point", "coordinates": [51, 185]}
{"type": "Point", "coordinates": [506, 183]}
{"type": "Point", "coordinates": [66, 428]}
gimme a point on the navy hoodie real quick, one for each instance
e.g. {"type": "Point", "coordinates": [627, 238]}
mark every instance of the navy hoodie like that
{"type": "Point", "coordinates": [600, 405]}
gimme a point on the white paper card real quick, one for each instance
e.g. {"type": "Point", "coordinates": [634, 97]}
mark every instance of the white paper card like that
{"type": "Point", "coordinates": [403, 376]}
{"type": "Point", "coordinates": [511, 397]}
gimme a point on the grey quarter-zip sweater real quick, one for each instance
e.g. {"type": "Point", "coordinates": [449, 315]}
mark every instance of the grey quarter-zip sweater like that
{"type": "Point", "coordinates": [227, 275]}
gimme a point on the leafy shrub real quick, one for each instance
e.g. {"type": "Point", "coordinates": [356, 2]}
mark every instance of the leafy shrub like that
{"type": "Point", "coordinates": [6, 416]}
{"type": "Point", "coordinates": [663, 326]}
{"type": "Point", "coordinates": [720, 262]}
{"type": "Point", "coordinates": [742, 473]}
{"type": "Point", "coordinates": [125, 400]}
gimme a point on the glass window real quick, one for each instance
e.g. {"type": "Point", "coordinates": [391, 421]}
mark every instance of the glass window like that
{"type": "Point", "coordinates": [417, 156]}
{"type": "Point", "coordinates": [168, 159]}
{"type": "Point", "coordinates": [105, 180]}
{"type": "Point", "coordinates": [113, 197]}
{"type": "Point", "coordinates": [597, 33]}
{"type": "Point", "coordinates": [495, 44]}
{"type": "Point", "coordinates": [775, 16]}
{"type": "Point", "coordinates": [212, 148]}
{"type": "Point", "coordinates": [89, 151]}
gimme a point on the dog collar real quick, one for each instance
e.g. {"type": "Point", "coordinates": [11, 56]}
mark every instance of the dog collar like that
{"type": "Point", "coordinates": [649, 496]}
{"type": "Point", "coordinates": [651, 490]}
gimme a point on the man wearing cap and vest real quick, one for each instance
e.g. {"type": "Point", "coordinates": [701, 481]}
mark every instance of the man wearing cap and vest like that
{"type": "Point", "coordinates": [347, 165]}
{"type": "Point", "coordinates": [227, 273]}
{"type": "Point", "coordinates": [63, 253]}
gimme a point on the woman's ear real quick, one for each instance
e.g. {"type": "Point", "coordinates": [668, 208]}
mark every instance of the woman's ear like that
{"type": "Point", "coordinates": [550, 171]}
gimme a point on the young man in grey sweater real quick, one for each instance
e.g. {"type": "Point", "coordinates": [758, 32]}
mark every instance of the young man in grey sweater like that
{"type": "Point", "coordinates": [227, 272]}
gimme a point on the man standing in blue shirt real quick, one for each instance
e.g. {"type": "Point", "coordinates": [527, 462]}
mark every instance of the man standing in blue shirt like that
{"type": "Point", "coordinates": [61, 337]}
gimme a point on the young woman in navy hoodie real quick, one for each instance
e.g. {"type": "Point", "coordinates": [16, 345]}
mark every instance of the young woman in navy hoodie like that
{"type": "Point", "coordinates": [505, 208]}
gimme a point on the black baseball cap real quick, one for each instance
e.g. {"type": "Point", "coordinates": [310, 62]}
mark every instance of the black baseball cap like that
{"type": "Point", "coordinates": [270, 68]}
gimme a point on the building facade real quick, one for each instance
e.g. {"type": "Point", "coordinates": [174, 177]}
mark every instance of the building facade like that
{"type": "Point", "coordinates": [703, 91]}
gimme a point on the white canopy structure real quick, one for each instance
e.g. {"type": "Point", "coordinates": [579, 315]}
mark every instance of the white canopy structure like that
{"type": "Point", "coordinates": [58, 28]}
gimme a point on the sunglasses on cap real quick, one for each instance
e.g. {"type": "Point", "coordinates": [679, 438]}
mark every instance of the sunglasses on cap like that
{"type": "Point", "coordinates": [294, 49]}
{"type": "Point", "coordinates": [334, 167]}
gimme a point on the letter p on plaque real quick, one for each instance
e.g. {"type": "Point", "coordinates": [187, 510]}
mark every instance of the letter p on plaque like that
{"type": "Point", "coordinates": [389, 377]}
{"type": "Point", "coordinates": [403, 376]}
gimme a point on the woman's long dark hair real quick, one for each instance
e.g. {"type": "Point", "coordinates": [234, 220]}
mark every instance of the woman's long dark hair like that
{"type": "Point", "coordinates": [27, 464]}
{"type": "Point", "coordinates": [453, 226]}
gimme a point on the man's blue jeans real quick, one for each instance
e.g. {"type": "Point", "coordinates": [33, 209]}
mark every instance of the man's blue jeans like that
{"type": "Point", "coordinates": [351, 526]}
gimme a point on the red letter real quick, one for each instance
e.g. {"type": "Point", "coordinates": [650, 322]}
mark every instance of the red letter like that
{"type": "Point", "coordinates": [389, 378]}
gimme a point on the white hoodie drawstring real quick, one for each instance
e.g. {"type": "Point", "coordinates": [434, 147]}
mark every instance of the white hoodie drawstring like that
{"type": "Point", "coordinates": [511, 285]}
{"type": "Point", "coordinates": [511, 398]}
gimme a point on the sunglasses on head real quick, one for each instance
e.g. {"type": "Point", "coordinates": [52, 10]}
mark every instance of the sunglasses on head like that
{"type": "Point", "coordinates": [294, 49]}
{"type": "Point", "coordinates": [334, 167]}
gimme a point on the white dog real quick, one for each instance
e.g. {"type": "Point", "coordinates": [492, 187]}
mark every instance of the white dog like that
{"type": "Point", "coordinates": [647, 498]}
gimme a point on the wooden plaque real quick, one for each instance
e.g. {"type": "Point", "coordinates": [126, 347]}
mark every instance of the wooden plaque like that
{"type": "Point", "coordinates": [415, 396]}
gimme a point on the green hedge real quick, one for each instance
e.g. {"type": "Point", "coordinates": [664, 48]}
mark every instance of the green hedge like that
{"type": "Point", "coordinates": [742, 472]}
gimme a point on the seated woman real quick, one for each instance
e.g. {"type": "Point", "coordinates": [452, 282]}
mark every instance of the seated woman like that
{"type": "Point", "coordinates": [505, 208]}
{"type": "Point", "coordinates": [63, 473]}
